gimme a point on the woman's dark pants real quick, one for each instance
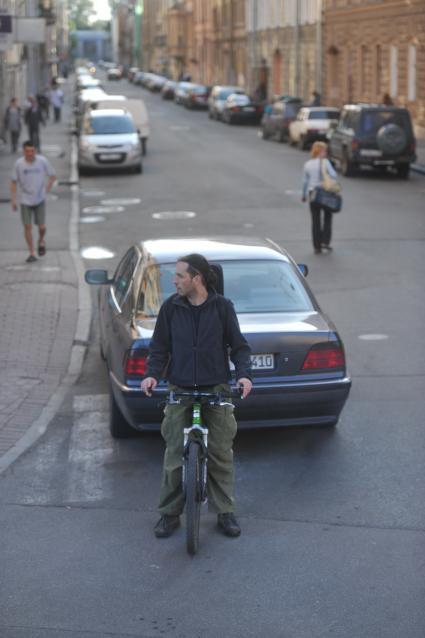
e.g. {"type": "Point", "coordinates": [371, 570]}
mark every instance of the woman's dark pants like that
{"type": "Point", "coordinates": [321, 225]}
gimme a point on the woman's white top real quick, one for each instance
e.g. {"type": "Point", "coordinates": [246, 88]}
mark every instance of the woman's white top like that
{"type": "Point", "coordinates": [312, 176]}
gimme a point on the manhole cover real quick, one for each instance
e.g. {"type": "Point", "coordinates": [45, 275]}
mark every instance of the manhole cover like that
{"type": "Point", "coordinates": [96, 252]}
{"type": "Point", "coordinates": [102, 209]}
{"type": "Point", "coordinates": [174, 214]}
{"type": "Point", "coordinates": [121, 201]}
{"type": "Point", "coordinates": [92, 219]}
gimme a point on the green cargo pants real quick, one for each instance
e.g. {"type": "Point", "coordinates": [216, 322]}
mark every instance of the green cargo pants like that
{"type": "Point", "coordinates": [221, 432]}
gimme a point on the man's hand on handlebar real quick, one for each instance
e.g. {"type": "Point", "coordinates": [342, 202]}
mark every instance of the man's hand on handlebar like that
{"type": "Point", "coordinates": [148, 385]}
{"type": "Point", "coordinates": [246, 386]}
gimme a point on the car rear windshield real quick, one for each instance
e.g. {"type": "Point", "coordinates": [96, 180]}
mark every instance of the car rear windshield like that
{"type": "Point", "coordinates": [323, 115]}
{"type": "Point", "coordinates": [109, 125]}
{"type": "Point", "coordinates": [372, 121]}
{"type": "Point", "coordinates": [253, 286]}
{"type": "Point", "coordinates": [199, 90]}
{"type": "Point", "coordinates": [224, 93]}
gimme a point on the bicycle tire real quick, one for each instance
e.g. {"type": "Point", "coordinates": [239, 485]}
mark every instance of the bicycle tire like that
{"type": "Point", "coordinates": [193, 497]}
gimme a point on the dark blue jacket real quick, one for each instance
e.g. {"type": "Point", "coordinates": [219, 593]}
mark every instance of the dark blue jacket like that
{"type": "Point", "coordinates": [185, 358]}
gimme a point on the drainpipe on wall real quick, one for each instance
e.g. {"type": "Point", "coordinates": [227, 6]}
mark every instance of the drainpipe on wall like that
{"type": "Point", "coordinates": [297, 47]}
{"type": "Point", "coordinates": [319, 35]}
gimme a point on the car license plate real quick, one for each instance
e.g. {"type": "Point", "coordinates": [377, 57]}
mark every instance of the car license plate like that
{"type": "Point", "coordinates": [248, 109]}
{"type": "Point", "coordinates": [259, 362]}
{"type": "Point", "coordinates": [262, 361]}
{"type": "Point", "coordinates": [384, 162]}
{"type": "Point", "coordinates": [110, 157]}
{"type": "Point", "coordinates": [370, 152]}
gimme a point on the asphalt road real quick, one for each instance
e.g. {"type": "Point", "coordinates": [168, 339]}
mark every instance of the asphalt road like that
{"type": "Point", "coordinates": [333, 521]}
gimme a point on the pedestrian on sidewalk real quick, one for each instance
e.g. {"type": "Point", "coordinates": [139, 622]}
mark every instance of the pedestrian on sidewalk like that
{"type": "Point", "coordinates": [30, 173]}
{"type": "Point", "coordinates": [43, 99]}
{"type": "Point", "coordinates": [13, 123]}
{"type": "Point", "coordinates": [33, 118]}
{"type": "Point", "coordinates": [321, 218]}
{"type": "Point", "coordinates": [56, 98]}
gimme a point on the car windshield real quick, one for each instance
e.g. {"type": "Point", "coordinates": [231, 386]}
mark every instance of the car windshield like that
{"type": "Point", "coordinates": [239, 99]}
{"type": "Point", "coordinates": [109, 125]}
{"type": "Point", "coordinates": [253, 286]}
{"type": "Point", "coordinates": [224, 93]}
{"type": "Point", "coordinates": [323, 115]}
{"type": "Point", "coordinates": [199, 90]}
{"type": "Point", "coordinates": [373, 120]}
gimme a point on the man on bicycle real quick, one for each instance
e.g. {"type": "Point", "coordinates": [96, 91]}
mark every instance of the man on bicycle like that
{"type": "Point", "coordinates": [189, 347]}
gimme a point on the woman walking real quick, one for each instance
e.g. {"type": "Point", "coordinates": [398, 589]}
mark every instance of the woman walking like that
{"type": "Point", "coordinates": [321, 218]}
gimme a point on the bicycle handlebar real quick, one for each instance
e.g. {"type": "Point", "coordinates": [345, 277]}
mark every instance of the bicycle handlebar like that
{"type": "Point", "coordinates": [216, 398]}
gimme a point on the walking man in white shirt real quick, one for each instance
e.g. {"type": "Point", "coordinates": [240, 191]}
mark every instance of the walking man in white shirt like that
{"type": "Point", "coordinates": [35, 177]}
{"type": "Point", "coordinates": [56, 99]}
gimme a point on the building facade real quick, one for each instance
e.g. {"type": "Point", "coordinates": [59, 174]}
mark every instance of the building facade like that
{"type": "Point", "coordinates": [372, 48]}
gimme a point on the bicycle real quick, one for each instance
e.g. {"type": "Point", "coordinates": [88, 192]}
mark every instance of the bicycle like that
{"type": "Point", "coordinates": [195, 459]}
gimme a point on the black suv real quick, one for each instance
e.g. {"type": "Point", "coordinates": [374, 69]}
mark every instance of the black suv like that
{"type": "Point", "coordinates": [378, 136]}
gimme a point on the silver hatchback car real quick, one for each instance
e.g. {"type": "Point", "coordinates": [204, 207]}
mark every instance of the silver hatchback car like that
{"type": "Point", "coordinates": [109, 140]}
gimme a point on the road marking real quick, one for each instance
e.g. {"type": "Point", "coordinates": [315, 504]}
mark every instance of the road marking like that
{"type": "Point", "coordinates": [93, 193]}
{"type": "Point", "coordinates": [90, 449]}
{"type": "Point", "coordinates": [174, 214]}
{"type": "Point", "coordinates": [103, 209]}
{"type": "Point", "coordinates": [96, 252]}
{"type": "Point", "coordinates": [121, 201]}
{"type": "Point", "coordinates": [373, 337]}
{"type": "Point", "coordinates": [92, 219]}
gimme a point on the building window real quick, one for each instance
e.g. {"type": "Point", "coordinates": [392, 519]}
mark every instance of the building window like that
{"type": "Point", "coordinates": [411, 75]}
{"type": "Point", "coordinates": [393, 71]}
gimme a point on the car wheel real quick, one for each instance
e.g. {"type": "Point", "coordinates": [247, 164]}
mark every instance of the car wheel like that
{"type": "Point", "coordinates": [118, 426]}
{"type": "Point", "coordinates": [264, 134]}
{"type": "Point", "coordinates": [139, 169]}
{"type": "Point", "coordinates": [347, 168]}
{"type": "Point", "coordinates": [282, 137]}
{"type": "Point", "coordinates": [144, 145]}
{"type": "Point", "coordinates": [403, 171]}
{"type": "Point", "coordinates": [301, 143]}
{"type": "Point", "coordinates": [210, 115]}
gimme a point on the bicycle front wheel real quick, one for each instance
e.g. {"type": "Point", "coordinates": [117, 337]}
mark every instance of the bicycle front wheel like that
{"type": "Point", "coordinates": [193, 496]}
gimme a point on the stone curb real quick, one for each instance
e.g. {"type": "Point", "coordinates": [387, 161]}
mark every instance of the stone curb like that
{"type": "Point", "coordinates": [78, 351]}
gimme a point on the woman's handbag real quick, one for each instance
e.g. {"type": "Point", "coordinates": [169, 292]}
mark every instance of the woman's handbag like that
{"type": "Point", "coordinates": [331, 202]}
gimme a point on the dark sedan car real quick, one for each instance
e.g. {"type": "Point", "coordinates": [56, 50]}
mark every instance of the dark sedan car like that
{"type": "Point", "coordinates": [197, 97]}
{"type": "Point", "coordinates": [277, 118]}
{"type": "Point", "coordinates": [239, 109]}
{"type": "Point", "coordinates": [298, 360]}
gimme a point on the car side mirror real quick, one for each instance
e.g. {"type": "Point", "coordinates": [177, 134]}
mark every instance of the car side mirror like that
{"type": "Point", "coordinates": [303, 268]}
{"type": "Point", "coordinates": [96, 277]}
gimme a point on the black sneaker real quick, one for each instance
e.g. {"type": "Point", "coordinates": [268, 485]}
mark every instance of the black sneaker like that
{"type": "Point", "coordinates": [30, 259]}
{"type": "Point", "coordinates": [228, 524]}
{"type": "Point", "coordinates": [166, 526]}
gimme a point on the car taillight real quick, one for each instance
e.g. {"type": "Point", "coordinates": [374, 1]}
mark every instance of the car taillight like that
{"type": "Point", "coordinates": [136, 363]}
{"type": "Point", "coordinates": [324, 356]}
{"type": "Point", "coordinates": [354, 144]}
{"type": "Point", "coordinates": [235, 109]}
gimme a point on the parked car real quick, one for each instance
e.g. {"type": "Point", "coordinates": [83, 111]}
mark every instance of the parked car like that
{"type": "Point", "coordinates": [109, 139]}
{"type": "Point", "coordinates": [239, 108]}
{"type": "Point", "coordinates": [85, 81]}
{"type": "Point", "coordinates": [374, 136]}
{"type": "Point", "coordinates": [217, 98]}
{"type": "Point", "coordinates": [167, 91]}
{"type": "Point", "coordinates": [180, 92]}
{"type": "Point", "coordinates": [312, 123]}
{"type": "Point", "coordinates": [298, 361]}
{"type": "Point", "coordinates": [277, 118]}
{"type": "Point", "coordinates": [135, 106]}
{"type": "Point", "coordinates": [114, 73]}
{"type": "Point", "coordinates": [132, 72]}
{"type": "Point", "coordinates": [196, 97]}
{"type": "Point", "coordinates": [138, 77]}
{"type": "Point", "coordinates": [155, 82]}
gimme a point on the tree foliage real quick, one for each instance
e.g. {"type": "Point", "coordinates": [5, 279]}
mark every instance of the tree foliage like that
{"type": "Point", "coordinates": [81, 14]}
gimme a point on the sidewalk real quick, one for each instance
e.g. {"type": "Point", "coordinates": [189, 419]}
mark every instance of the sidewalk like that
{"type": "Point", "coordinates": [39, 302]}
